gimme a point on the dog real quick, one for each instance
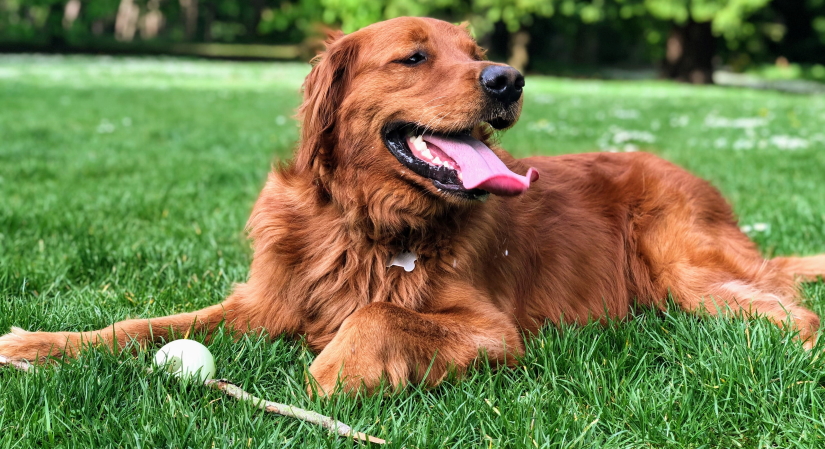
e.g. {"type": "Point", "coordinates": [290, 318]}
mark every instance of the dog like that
{"type": "Point", "coordinates": [402, 243]}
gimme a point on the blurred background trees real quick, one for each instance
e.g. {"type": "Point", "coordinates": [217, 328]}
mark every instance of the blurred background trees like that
{"type": "Point", "coordinates": [682, 39]}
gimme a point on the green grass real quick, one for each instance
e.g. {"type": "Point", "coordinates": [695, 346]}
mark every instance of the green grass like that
{"type": "Point", "coordinates": [125, 185]}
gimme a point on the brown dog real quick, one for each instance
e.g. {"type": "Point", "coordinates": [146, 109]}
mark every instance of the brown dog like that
{"type": "Point", "coordinates": [396, 167]}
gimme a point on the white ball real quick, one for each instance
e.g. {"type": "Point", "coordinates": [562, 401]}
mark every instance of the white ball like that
{"type": "Point", "coordinates": [187, 359]}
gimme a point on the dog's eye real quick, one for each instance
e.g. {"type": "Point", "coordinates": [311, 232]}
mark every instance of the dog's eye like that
{"type": "Point", "coordinates": [414, 59]}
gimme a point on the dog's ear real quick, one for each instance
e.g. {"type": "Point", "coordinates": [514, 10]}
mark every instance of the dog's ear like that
{"type": "Point", "coordinates": [324, 90]}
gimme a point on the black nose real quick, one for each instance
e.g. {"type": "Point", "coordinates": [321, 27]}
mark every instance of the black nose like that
{"type": "Point", "coordinates": [502, 83]}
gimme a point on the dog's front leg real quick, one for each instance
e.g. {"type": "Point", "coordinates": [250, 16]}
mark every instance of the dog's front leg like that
{"type": "Point", "coordinates": [39, 346]}
{"type": "Point", "coordinates": [383, 341]}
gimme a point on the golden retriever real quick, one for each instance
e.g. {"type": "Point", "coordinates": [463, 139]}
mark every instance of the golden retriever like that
{"type": "Point", "coordinates": [401, 242]}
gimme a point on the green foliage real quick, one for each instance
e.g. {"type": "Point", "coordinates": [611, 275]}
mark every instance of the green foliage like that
{"type": "Point", "coordinates": [298, 16]}
{"type": "Point", "coordinates": [513, 13]}
{"type": "Point", "coordinates": [355, 14]}
{"type": "Point", "coordinates": [729, 17]}
{"type": "Point", "coordinates": [631, 31]}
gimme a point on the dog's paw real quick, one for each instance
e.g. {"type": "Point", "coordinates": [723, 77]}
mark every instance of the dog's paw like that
{"type": "Point", "coordinates": [36, 346]}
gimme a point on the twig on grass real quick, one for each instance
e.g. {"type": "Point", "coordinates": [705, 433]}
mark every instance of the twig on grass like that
{"type": "Point", "coordinates": [236, 392]}
{"type": "Point", "coordinates": [22, 365]}
{"type": "Point", "coordinates": [288, 410]}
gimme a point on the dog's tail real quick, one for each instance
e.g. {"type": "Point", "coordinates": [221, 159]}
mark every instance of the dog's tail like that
{"type": "Point", "coordinates": [805, 269]}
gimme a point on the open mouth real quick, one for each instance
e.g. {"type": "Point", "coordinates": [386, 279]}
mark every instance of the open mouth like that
{"type": "Point", "coordinates": [456, 163]}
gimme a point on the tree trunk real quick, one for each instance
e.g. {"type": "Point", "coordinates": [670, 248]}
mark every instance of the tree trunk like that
{"type": "Point", "coordinates": [690, 51]}
{"type": "Point", "coordinates": [70, 13]}
{"type": "Point", "coordinates": [151, 23]}
{"type": "Point", "coordinates": [126, 20]}
{"type": "Point", "coordinates": [190, 17]}
{"type": "Point", "coordinates": [255, 20]}
{"type": "Point", "coordinates": [519, 56]}
{"type": "Point", "coordinates": [209, 9]}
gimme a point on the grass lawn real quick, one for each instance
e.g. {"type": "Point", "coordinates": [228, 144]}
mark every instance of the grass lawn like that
{"type": "Point", "coordinates": [125, 185]}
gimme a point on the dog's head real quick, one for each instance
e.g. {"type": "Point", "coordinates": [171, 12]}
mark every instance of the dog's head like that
{"type": "Point", "coordinates": [410, 103]}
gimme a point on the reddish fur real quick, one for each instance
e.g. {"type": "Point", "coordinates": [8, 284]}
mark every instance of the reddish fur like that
{"type": "Point", "coordinates": [595, 234]}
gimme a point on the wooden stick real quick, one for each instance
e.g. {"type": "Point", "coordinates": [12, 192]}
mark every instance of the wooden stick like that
{"type": "Point", "coordinates": [22, 365]}
{"type": "Point", "coordinates": [288, 410]}
{"type": "Point", "coordinates": [236, 392]}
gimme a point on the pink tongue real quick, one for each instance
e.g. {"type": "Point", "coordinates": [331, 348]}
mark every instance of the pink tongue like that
{"type": "Point", "coordinates": [481, 168]}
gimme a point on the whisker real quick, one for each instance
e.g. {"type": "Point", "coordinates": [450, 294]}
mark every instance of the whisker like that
{"type": "Point", "coordinates": [434, 106]}
{"type": "Point", "coordinates": [438, 117]}
{"type": "Point", "coordinates": [433, 99]}
{"type": "Point", "coordinates": [441, 118]}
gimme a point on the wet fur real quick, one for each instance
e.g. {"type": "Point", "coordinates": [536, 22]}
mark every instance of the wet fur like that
{"type": "Point", "coordinates": [595, 234]}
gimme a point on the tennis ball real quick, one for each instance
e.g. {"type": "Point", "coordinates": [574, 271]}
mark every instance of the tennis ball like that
{"type": "Point", "coordinates": [186, 359]}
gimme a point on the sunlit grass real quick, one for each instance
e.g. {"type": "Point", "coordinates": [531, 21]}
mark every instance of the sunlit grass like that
{"type": "Point", "coordinates": [125, 185]}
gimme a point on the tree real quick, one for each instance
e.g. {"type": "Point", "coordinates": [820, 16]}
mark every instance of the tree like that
{"type": "Point", "coordinates": [695, 25]}
{"type": "Point", "coordinates": [354, 14]}
{"type": "Point", "coordinates": [691, 44]}
{"type": "Point", "coordinates": [794, 29]}
{"type": "Point", "coordinates": [515, 15]}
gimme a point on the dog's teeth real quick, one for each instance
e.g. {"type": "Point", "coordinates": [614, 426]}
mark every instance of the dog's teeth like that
{"type": "Point", "coordinates": [419, 143]}
{"type": "Point", "coordinates": [460, 177]}
{"type": "Point", "coordinates": [437, 160]}
{"type": "Point", "coordinates": [426, 153]}
{"type": "Point", "coordinates": [448, 165]}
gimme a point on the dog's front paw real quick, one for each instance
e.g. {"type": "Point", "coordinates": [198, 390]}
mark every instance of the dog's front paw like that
{"type": "Point", "coordinates": [36, 347]}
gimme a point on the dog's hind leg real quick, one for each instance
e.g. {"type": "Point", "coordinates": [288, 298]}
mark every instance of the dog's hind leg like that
{"type": "Point", "coordinates": [692, 246]}
{"type": "Point", "coordinates": [768, 295]}
{"type": "Point", "coordinates": [805, 269]}
{"type": "Point", "coordinates": [725, 274]}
